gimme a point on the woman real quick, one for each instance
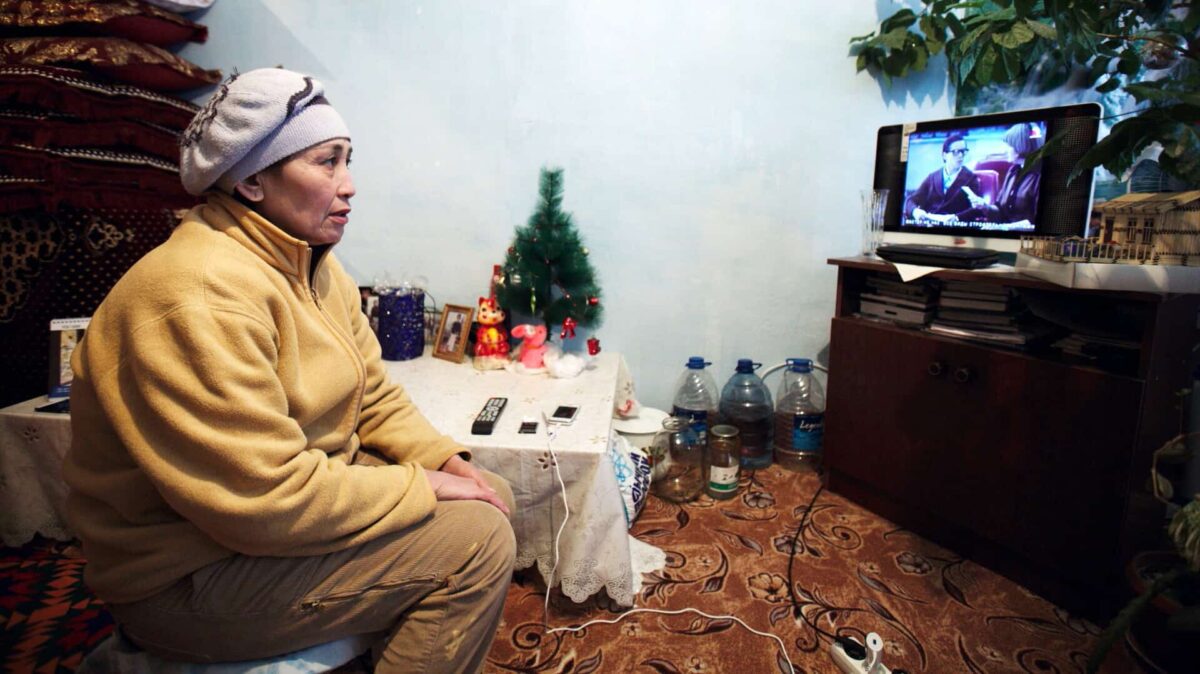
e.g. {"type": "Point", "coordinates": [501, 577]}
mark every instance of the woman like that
{"type": "Point", "coordinates": [225, 398]}
{"type": "Point", "coordinates": [1016, 203]}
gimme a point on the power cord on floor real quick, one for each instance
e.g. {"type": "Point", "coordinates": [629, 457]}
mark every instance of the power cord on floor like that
{"type": "Point", "coordinates": [852, 647]}
{"type": "Point", "coordinates": [551, 432]}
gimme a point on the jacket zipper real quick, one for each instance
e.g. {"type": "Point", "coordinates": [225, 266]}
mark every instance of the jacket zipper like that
{"type": "Point", "coordinates": [355, 355]}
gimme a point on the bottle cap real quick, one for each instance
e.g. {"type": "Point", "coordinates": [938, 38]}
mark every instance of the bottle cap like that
{"type": "Point", "coordinates": [697, 363]}
{"type": "Point", "coordinates": [800, 364]}
{"type": "Point", "coordinates": [674, 424]}
{"type": "Point", "coordinates": [724, 431]}
{"type": "Point", "coordinates": [745, 365]}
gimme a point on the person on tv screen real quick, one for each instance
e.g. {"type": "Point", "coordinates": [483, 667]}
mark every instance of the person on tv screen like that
{"type": "Point", "coordinates": [949, 192]}
{"type": "Point", "coordinates": [1016, 203]}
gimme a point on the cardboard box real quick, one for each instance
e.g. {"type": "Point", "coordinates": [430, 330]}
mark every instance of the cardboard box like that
{"type": "Point", "coordinates": [1147, 278]}
{"type": "Point", "coordinates": [65, 334]}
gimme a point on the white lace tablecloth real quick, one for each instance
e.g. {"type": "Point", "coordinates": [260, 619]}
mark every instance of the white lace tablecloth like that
{"type": "Point", "coordinates": [595, 549]}
{"type": "Point", "coordinates": [32, 493]}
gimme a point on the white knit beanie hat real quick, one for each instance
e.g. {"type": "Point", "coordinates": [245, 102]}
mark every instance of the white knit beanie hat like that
{"type": "Point", "coordinates": [252, 121]}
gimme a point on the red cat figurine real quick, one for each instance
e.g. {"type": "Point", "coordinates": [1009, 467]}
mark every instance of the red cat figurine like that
{"type": "Point", "coordinates": [491, 339]}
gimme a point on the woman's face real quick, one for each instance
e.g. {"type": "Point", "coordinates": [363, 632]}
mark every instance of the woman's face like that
{"type": "Point", "coordinates": [308, 195]}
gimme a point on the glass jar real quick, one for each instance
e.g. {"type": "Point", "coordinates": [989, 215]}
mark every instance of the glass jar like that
{"type": "Point", "coordinates": [680, 471]}
{"type": "Point", "coordinates": [724, 460]}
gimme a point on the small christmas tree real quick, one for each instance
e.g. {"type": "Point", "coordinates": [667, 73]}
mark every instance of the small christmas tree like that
{"type": "Point", "coordinates": [546, 272]}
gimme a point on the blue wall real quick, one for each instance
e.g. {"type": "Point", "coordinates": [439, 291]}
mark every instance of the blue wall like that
{"type": "Point", "coordinates": [713, 150]}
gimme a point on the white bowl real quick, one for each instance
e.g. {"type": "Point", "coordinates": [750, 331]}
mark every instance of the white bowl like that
{"type": "Point", "coordinates": [640, 430]}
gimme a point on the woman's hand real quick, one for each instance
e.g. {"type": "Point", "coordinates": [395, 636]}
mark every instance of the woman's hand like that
{"type": "Point", "coordinates": [456, 465]}
{"type": "Point", "coordinates": [450, 484]}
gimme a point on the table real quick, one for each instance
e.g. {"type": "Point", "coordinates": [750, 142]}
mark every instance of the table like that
{"type": "Point", "coordinates": [32, 493]}
{"type": "Point", "coordinates": [595, 551]}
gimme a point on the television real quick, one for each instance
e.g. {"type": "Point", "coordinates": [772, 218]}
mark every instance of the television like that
{"type": "Point", "coordinates": [946, 178]}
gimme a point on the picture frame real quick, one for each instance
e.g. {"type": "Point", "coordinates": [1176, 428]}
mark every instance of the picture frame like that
{"type": "Point", "coordinates": [453, 332]}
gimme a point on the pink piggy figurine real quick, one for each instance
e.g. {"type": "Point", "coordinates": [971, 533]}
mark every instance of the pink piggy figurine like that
{"type": "Point", "coordinates": [533, 345]}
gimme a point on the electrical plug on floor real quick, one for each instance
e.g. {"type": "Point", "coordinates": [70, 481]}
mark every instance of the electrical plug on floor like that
{"type": "Point", "coordinates": [853, 658]}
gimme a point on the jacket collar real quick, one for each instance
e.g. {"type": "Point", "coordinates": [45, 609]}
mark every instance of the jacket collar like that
{"type": "Point", "coordinates": [276, 247]}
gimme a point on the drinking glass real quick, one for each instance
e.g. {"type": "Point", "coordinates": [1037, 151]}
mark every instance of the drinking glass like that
{"type": "Point", "coordinates": [874, 202]}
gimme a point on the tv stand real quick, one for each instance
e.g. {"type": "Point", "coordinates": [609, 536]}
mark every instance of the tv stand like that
{"type": "Point", "coordinates": [1027, 463]}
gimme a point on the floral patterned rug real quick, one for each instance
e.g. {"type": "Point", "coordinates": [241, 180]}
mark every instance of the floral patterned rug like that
{"type": "Point", "coordinates": [854, 573]}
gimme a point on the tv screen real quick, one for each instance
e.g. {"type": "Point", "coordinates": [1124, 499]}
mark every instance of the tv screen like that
{"type": "Point", "coordinates": [968, 177]}
{"type": "Point", "coordinates": [958, 181]}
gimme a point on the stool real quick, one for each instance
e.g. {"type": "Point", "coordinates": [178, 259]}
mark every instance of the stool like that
{"type": "Point", "coordinates": [116, 654]}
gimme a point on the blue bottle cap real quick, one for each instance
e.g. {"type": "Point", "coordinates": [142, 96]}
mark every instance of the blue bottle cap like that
{"type": "Point", "coordinates": [697, 363]}
{"type": "Point", "coordinates": [800, 364]}
{"type": "Point", "coordinates": [746, 366]}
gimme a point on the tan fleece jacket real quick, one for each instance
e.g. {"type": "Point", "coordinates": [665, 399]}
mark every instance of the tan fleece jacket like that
{"type": "Point", "coordinates": [218, 401]}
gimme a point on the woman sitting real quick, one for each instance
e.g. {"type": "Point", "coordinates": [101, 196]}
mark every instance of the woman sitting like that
{"type": "Point", "coordinates": [244, 477]}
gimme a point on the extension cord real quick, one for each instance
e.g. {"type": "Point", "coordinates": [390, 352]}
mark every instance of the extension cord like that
{"type": "Point", "coordinates": [851, 665]}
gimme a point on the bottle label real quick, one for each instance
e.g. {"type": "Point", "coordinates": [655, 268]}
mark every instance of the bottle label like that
{"type": "Point", "coordinates": [698, 419]}
{"type": "Point", "coordinates": [807, 432]}
{"type": "Point", "coordinates": [723, 479]}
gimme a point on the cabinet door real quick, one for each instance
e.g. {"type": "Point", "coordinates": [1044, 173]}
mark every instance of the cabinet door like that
{"type": "Point", "coordinates": [1024, 452]}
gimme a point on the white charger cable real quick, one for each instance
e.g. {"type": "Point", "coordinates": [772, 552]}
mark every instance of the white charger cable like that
{"type": "Point", "coordinates": [551, 432]}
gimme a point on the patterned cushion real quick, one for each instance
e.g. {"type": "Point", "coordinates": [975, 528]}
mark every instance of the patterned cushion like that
{"type": "Point", "coordinates": [74, 93]}
{"type": "Point", "coordinates": [134, 63]}
{"type": "Point", "coordinates": [54, 130]}
{"type": "Point", "coordinates": [130, 19]}
{"type": "Point", "coordinates": [52, 178]}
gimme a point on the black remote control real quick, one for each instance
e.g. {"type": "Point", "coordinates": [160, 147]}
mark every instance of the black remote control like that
{"type": "Point", "coordinates": [486, 421]}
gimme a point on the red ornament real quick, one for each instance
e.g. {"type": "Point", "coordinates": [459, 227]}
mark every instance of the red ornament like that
{"type": "Point", "coordinates": [568, 327]}
{"type": "Point", "coordinates": [593, 346]}
{"type": "Point", "coordinates": [593, 301]}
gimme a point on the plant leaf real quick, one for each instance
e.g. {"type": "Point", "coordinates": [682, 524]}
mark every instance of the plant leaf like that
{"type": "Point", "coordinates": [895, 38]}
{"type": "Point", "coordinates": [901, 19]}
{"type": "Point", "coordinates": [1163, 91]}
{"type": "Point", "coordinates": [1014, 37]}
{"type": "Point", "coordinates": [1044, 31]}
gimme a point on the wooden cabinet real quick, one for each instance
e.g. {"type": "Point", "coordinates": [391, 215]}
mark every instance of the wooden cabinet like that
{"type": "Point", "coordinates": [1026, 463]}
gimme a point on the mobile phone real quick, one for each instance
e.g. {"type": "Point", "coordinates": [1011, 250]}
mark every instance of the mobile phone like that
{"type": "Point", "coordinates": [563, 414]}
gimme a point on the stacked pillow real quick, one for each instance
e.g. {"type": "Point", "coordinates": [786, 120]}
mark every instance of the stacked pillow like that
{"type": "Point", "coordinates": [90, 119]}
{"type": "Point", "coordinates": [88, 113]}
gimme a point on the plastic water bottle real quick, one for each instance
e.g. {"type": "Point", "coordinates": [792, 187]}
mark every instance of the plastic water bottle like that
{"type": "Point", "coordinates": [746, 404]}
{"type": "Point", "coordinates": [799, 417]}
{"type": "Point", "coordinates": [696, 397]}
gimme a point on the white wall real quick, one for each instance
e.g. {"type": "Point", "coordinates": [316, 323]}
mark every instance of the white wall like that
{"type": "Point", "coordinates": [713, 150]}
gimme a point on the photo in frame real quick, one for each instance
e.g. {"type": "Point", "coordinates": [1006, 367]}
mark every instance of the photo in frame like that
{"type": "Point", "coordinates": [453, 331]}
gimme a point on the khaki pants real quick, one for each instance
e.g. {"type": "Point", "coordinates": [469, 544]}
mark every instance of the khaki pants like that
{"type": "Point", "coordinates": [434, 593]}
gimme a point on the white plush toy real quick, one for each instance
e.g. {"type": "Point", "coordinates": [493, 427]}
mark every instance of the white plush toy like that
{"type": "Point", "coordinates": [563, 365]}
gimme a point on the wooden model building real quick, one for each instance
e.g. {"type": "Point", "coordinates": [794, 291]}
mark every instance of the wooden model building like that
{"type": "Point", "coordinates": [1137, 228]}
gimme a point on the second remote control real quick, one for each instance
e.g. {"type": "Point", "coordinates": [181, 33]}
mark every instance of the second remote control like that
{"type": "Point", "coordinates": [486, 420]}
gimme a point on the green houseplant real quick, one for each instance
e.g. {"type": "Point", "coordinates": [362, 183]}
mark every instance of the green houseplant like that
{"type": "Point", "coordinates": [1175, 585]}
{"type": "Point", "coordinates": [1146, 51]}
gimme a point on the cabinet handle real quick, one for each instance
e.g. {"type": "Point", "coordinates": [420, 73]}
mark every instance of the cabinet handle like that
{"type": "Point", "coordinates": [963, 375]}
{"type": "Point", "coordinates": [936, 368]}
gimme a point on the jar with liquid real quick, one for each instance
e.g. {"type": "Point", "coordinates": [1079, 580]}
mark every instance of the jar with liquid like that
{"type": "Point", "coordinates": [682, 472]}
{"type": "Point", "coordinates": [724, 461]}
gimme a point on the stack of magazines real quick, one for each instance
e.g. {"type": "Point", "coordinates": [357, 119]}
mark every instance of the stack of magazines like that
{"type": "Point", "coordinates": [907, 304]}
{"type": "Point", "coordinates": [987, 313]}
{"type": "Point", "coordinates": [1108, 351]}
